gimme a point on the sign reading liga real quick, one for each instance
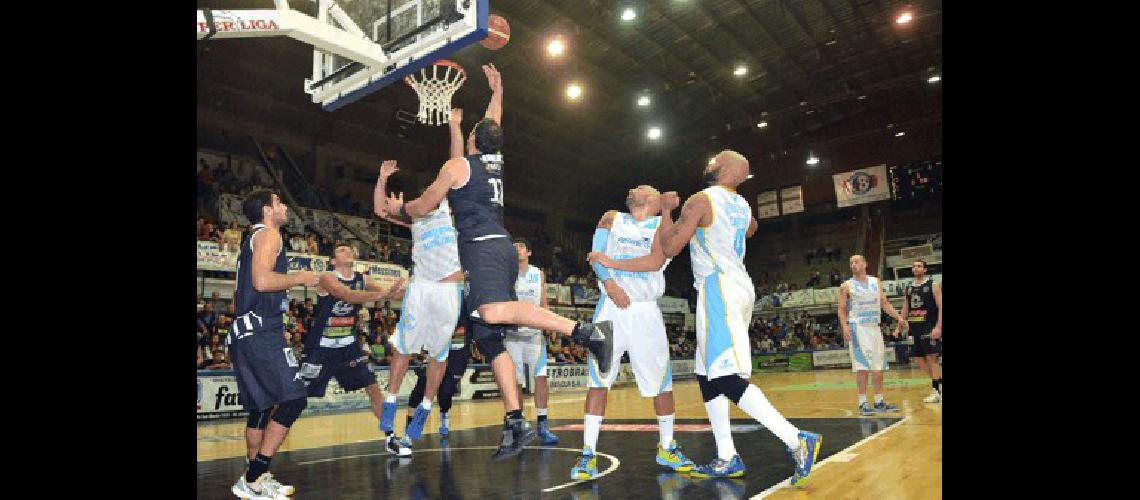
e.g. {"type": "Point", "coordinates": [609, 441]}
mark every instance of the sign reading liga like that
{"type": "Point", "coordinates": [865, 185]}
{"type": "Point", "coordinates": [766, 205]}
{"type": "Point", "coordinates": [792, 200]}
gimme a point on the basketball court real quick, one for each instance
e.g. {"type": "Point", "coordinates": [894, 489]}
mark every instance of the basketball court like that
{"type": "Point", "coordinates": [365, 52]}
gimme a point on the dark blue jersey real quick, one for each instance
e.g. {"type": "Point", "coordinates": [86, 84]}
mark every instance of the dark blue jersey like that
{"type": "Point", "coordinates": [267, 308]}
{"type": "Point", "coordinates": [335, 318]}
{"type": "Point", "coordinates": [478, 206]}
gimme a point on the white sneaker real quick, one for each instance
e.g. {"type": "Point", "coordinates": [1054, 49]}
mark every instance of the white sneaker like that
{"type": "Point", "coordinates": [399, 447]}
{"type": "Point", "coordinates": [258, 490]}
{"type": "Point", "coordinates": [934, 397]}
{"type": "Point", "coordinates": [285, 489]}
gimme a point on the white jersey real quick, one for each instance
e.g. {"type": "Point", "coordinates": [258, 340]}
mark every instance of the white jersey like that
{"type": "Point", "coordinates": [863, 305]}
{"type": "Point", "coordinates": [528, 288]}
{"type": "Point", "coordinates": [719, 248]}
{"type": "Point", "coordinates": [630, 239]}
{"type": "Point", "coordinates": [434, 251]}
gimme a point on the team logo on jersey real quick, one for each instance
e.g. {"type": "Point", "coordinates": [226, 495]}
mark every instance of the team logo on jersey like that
{"type": "Point", "coordinates": [319, 265]}
{"type": "Point", "coordinates": [341, 308]}
{"type": "Point", "coordinates": [860, 183]}
{"type": "Point", "coordinates": [652, 224]}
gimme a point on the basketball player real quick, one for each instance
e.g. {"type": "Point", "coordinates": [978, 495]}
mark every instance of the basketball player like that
{"type": "Point", "coordinates": [924, 302]}
{"type": "Point", "coordinates": [264, 365]}
{"type": "Point", "coordinates": [473, 185]}
{"type": "Point", "coordinates": [527, 346]}
{"type": "Point", "coordinates": [430, 307]}
{"type": "Point", "coordinates": [456, 364]}
{"type": "Point", "coordinates": [627, 258]}
{"type": "Point", "coordinates": [714, 223]}
{"type": "Point", "coordinates": [861, 304]}
{"type": "Point", "coordinates": [331, 348]}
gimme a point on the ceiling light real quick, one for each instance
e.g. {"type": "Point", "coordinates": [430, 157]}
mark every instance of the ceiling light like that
{"type": "Point", "coordinates": [862, 97]}
{"type": "Point", "coordinates": [904, 18]}
{"type": "Point", "coordinates": [934, 79]}
{"type": "Point", "coordinates": [654, 133]}
{"type": "Point", "coordinates": [762, 124]}
{"type": "Point", "coordinates": [900, 134]}
{"type": "Point", "coordinates": [573, 91]}
{"type": "Point", "coordinates": [643, 100]}
{"type": "Point", "coordinates": [812, 160]}
{"type": "Point", "coordinates": [740, 70]}
{"type": "Point", "coordinates": [628, 14]}
{"type": "Point", "coordinates": [555, 47]}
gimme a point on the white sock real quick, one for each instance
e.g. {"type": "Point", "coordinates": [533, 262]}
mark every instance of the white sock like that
{"type": "Point", "coordinates": [391, 398]}
{"type": "Point", "coordinates": [665, 430]}
{"type": "Point", "coordinates": [878, 398]}
{"type": "Point", "coordinates": [593, 425]}
{"type": "Point", "coordinates": [756, 405]}
{"type": "Point", "coordinates": [862, 398]}
{"type": "Point", "coordinates": [721, 428]}
{"type": "Point", "coordinates": [425, 404]}
{"type": "Point", "coordinates": [541, 412]}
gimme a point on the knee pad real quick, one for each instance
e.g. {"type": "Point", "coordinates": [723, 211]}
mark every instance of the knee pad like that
{"type": "Point", "coordinates": [257, 420]}
{"type": "Point", "coordinates": [732, 386]}
{"type": "Point", "coordinates": [708, 391]}
{"type": "Point", "coordinates": [289, 411]}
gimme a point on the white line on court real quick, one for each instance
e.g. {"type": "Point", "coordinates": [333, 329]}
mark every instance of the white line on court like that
{"type": "Point", "coordinates": [614, 462]}
{"type": "Point", "coordinates": [844, 454]}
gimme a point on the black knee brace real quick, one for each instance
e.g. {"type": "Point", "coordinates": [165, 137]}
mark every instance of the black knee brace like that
{"type": "Point", "coordinates": [732, 386]}
{"type": "Point", "coordinates": [289, 411]}
{"type": "Point", "coordinates": [257, 419]}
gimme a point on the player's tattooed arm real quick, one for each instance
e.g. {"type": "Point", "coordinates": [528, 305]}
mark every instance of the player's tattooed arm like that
{"type": "Point", "coordinates": [675, 235]}
{"type": "Point", "coordinates": [843, 312]}
{"type": "Point", "coordinates": [886, 304]}
{"type": "Point", "coordinates": [266, 245]}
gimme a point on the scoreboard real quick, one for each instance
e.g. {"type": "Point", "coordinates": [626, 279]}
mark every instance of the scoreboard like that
{"type": "Point", "coordinates": [916, 180]}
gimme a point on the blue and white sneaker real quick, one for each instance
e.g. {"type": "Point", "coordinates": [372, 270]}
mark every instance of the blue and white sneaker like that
{"type": "Point", "coordinates": [443, 424]}
{"type": "Point", "coordinates": [416, 426]}
{"type": "Point", "coordinates": [865, 409]}
{"type": "Point", "coordinates": [720, 468]}
{"type": "Point", "coordinates": [399, 447]}
{"type": "Point", "coordinates": [673, 458]}
{"type": "Point", "coordinates": [883, 407]}
{"type": "Point", "coordinates": [587, 466]}
{"type": "Point", "coordinates": [387, 416]}
{"type": "Point", "coordinates": [806, 456]}
{"type": "Point", "coordinates": [545, 434]}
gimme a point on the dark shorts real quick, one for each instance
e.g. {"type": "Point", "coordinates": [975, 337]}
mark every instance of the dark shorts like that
{"type": "Point", "coordinates": [923, 345]}
{"type": "Point", "coordinates": [348, 365]}
{"type": "Point", "coordinates": [492, 267]}
{"type": "Point", "coordinates": [267, 371]}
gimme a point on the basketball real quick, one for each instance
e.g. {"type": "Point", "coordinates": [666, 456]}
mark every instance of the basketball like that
{"type": "Point", "coordinates": [498, 33]}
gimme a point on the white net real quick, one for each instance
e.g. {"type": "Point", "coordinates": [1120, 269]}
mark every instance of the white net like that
{"type": "Point", "coordinates": [435, 85]}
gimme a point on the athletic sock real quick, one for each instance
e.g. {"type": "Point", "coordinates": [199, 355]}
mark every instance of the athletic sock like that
{"type": "Point", "coordinates": [717, 409]}
{"type": "Point", "coordinates": [665, 430]}
{"type": "Point", "coordinates": [541, 414]}
{"type": "Point", "coordinates": [938, 385]}
{"type": "Point", "coordinates": [514, 415]}
{"type": "Point", "coordinates": [425, 404]}
{"type": "Point", "coordinates": [756, 405]}
{"type": "Point", "coordinates": [258, 466]}
{"type": "Point", "coordinates": [878, 398]}
{"type": "Point", "coordinates": [391, 398]}
{"type": "Point", "coordinates": [593, 425]}
{"type": "Point", "coordinates": [862, 399]}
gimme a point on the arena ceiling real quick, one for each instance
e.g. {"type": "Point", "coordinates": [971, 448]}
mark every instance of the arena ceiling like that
{"type": "Point", "coordinates": [837, 78]}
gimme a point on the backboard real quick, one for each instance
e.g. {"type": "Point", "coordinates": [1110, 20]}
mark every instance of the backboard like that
{"type": "Point", "coordinates": [412, 33]}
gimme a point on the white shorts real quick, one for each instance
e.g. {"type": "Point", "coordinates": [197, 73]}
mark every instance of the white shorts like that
{"type": "Point", "coordinates": [868, 352]}
{"type": "Point", "coordinates": [529, 350]}
{"type": "Point", "coordinates": [427, 321]}
{"type": "Point", "coordinates": [640, 331]}
{"type": "Point", "coordinates": [724, 311]}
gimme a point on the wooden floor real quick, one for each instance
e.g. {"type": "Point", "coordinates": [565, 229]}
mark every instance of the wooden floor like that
{"type": "Point", "coordinates": [904, 461]}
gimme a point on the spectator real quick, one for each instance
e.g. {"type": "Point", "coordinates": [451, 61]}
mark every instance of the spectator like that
{"type": "Point", "coordinates": [766, 344]}
{"type": "Point", "coordinates": [219, 304]}
{"type": "Point", "coordinates": [204, 230]}
{"type": "Point", "coordinates": [207, 319]}
{"type": "Point", "coordinates": [297, 243]}
{"type": "Point", "coordinates": [218, 362]}
{"type": "Point", "coordinates": [201, 358]}
{"type": "Point", "coordinates": [311, 246]}
{"type": "Point", "coordinates": [231, 238]}
{"type": "Point", "coordinates": [836, 280]}
{"type": "Point", "coordinates": [813, 282]}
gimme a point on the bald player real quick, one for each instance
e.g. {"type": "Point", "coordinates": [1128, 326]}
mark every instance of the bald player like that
{"type": "Point", "coordinates": [627, 258]}
{"type": "Point", "coordinates": [861, 304]}
{"type": "Point", "coordinates": [714, 224]}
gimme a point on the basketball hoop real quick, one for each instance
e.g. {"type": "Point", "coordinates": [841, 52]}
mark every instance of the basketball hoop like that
{"type": "Point", "coordinates": [435, 85]}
